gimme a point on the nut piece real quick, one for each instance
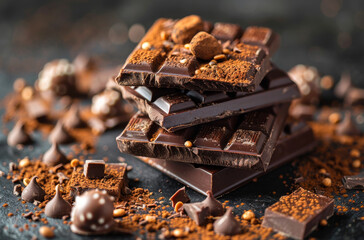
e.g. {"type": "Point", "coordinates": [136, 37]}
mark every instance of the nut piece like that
{"type": "Point", "coordinates": [356, 163]}
{"type": "Point", "coordinates": [26, 181]}
{"type": "Point", "coordinates": [146, 46]}
{"type": "Point", "coordinates": [248, 215]}
{"type": "Point", "coordinates": [205, 46]}
{"type": "Point", "coordinates": [323, 222]}
{"type": "Point", "coordinates": [186, 28]}
{"type": "Point", "coordinates": [46, 232]}
{"type": "Point", "coordinates": [178, 206]}
{"type": "Point", "coordinates": [119, 212]}
{"type": "Point", "coordinates": [188, 144]}
{"type": "Point", "coordinates": [24, 162]}
{"type": "Point", "coordinates": [75, 162]}
{"type": "Point", "coordinates": [326, 182]}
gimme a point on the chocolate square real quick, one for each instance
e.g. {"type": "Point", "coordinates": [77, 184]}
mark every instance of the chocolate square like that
{"type": "Point", "coordinates": [94, 169]}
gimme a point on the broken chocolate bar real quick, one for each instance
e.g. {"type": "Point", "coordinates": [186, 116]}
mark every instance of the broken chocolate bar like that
{"type": "Point", "coordinates": [354, 182]}
{"type": "Point", "coordinates": [94, 169]}
{"type": "Point", "coordinates": [298, 214]}
{"type": "Point", "coordinates": [114, 182]}
{"type": "Point", "coordinates": [220, 180]}
{"type": "Point", "coordinates": [159, 62]}
{"type": "Point", "coordinates": [173, 109]}
{"type": "Point", "coordinates": [247, 141]}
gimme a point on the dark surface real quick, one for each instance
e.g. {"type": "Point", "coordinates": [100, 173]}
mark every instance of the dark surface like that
{"type": "Point", "coordinates": [195, 107]}
{"type": "Point", "coordinates": [325, 34]}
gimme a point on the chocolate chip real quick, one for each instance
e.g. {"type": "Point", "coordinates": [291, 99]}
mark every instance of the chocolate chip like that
{"type": "Point", "coordinates": [18, 135]}
{"type": "Point", "coordinates": [57, 207]}
{"type": "Point", "coordinates": [73, 118]}
{"type": "Point", "coordinates": [60, 134]}
{"type": "Point", "coordinates": [186, 28]}
{"type": "Point", "coordinates": [347, 126]}
{"type": "Point", "coordinates": [215, 207]}
{"type": "Point", "coordinates": [54, 156]}
{"type": "Point", "coordinates": [205, 46]}
{"type": "Point", "coordinates": [33, 192]}
{"type": "Point", "coordinates": [227, 224]}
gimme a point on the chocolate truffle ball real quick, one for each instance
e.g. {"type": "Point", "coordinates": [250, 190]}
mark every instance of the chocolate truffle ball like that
{"type": "Point", "coordinates": [93, 213]}
{"type": "Point", "coordinates": [184, 30]}
{"type": "Point", "coordinates": [205, 46]}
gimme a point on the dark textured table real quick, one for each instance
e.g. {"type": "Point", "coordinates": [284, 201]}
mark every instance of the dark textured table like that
{"type": "Point", "coordinates": [326, 35]}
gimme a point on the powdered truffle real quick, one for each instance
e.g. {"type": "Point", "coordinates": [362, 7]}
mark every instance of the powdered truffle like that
{"type": "Point", "coordinates": [205, 46]}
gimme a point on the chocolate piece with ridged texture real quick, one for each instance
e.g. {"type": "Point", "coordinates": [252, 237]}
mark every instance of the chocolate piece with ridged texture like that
{"type": "Point", "coordinates": [202, 107]}
{"type": "Point", "coordinates": [298, 214]}
{"type": "Point", "coordinates": [156, 63]}
{"type": "Point", "coordinates": [235, 143]}
{"type": "Point", "coordinates": [298, 139]}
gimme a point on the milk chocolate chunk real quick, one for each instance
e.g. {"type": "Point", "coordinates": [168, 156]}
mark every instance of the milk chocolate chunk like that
{"type": "Point", "coordinates": [18, 135]}
{"type": "Point", "coordinates": [201, 107]}
{"type": "Point", "coordinates": [114, 182]}
{"type": "Point", "coordinates": [198, 212]}
{"type": "Point", "coordinates": [347, 126]}
{"type": "Point", "coordinates": [205, 46]}
{"type": "Point", "coordinates": [180, 196]}
{"type": "Point", "coordinates": [215, 207]}
{"type": "Point", "coordinates": [60, 134]}
{"type": "Point", "coordinates": [57, 207]}
{"type": "Point", "coordinates": [354, 182]}
{"type": "Point", "coordinates": [157, 62]}
{"type": "Point", "coordinates": [186, 28]}
{"type": "Point", "coordinates": [227, 224]}
{"type": "Point", "coordinates": [221, 180]}
{"type": "Point", "coordinates": [298, 214]}
{"type": "Point", "coordinates": [54, 156]}
{"type": "Point", "coordinates": [33, 192]}
{"type": "Point", "coordinates": [94, 169]}
{"type": "Point", "coordinates": [239, 143]}
{"type": "Point", "coordinates": [93, 214]}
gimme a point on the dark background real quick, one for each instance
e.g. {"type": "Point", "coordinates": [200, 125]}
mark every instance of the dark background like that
{"type": "Point", "coordinates": [327, 34]}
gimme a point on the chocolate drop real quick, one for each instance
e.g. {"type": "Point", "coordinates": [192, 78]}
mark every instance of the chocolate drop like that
{"type": "Point", "coordinates": [60, 134]}
{"type": "Point", "coordinates": [57, 207]}
{"type": "Point", "coordinates": [227, 224]}
{"type": "Point", "coordinates": [18, 135]}
{"type": "Point", "coordinates": [215, 207]}
{"type": "Point", "coordinates": [54, 156]}
{"type": "Point", "coordinates": [33, 192]}
{"type": "Point", "coordinates": [73, 118]}
{"type": "Point", "coordinates": [93, 213]}
{"type": "Point", "coordinates": [347, 126]}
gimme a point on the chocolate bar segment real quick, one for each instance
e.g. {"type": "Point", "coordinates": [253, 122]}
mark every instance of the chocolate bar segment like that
{"type": "Point", "coordinates": [202, 107]}
{"type": "Point", "coordinates": [354, 182]}
{"type": "Point", "coordinates": [221, 180]}
{"type": "Point", "coordinates": [298, 214]}
{"type": "Point", "coordinates": [234, 142]}
{"type": "Point", "coordinates": [159, 62]}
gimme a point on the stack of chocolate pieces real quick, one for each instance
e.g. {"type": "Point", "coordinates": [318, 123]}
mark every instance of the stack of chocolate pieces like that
{"type": "Point", "coordinates": [212, 107]}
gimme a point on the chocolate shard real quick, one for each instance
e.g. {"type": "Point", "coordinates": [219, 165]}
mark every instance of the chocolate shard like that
{"type": "Point", "coordinates": [18, 135]}
{"type": "Point", "coordinates": [60, 134]}
{"type": "Point", "coordinates": [196, 107]}
{"type": "Point", "coordinates": [298, 214]}
{"type": "Point", "coordinates": [93, 214]}
{"type": "Point", "coordinates": [247, 142]}
{"type": "Point", "coordinates": [33, 192]}
{"type": "Point", "coordinates": [54, 156]}
{"type": "Point", "coordinates": [94, 169]}
{"type": "Point", "coordinates": [198, 212]}
{"type": "Point", "coordinates": [155, 63]}
{"type": "Point", "coordinates": [73, 118]}
{"type": "Point", "coordinates": [354, 182]}
{"type": "Point", "coordinates": [57, 207]}
{"type": "Point", "coordinates": [347, 126]}
{"type": "Point", "coordinates": [221, 180]}
{"type": "Point", "coordinates": [17, 189]}
{"type": "Point", "coordinates": [215, 207]}
{"type": "Point", "coordinates": [227, 224]}
{"type": "Point", "coordinates": [180, 196]}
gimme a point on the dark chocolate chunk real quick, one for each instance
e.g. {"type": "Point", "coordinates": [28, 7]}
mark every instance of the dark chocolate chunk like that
{"type": "Point", "coordinates": [215, 207]}
{"type": "Point", "coordinates": [354, 182]}
{"type": "Point", "coordinates": [202, 107]}
{"type": "Point", "coordinates": [154, 63]}
{"type": "Point", "coordinates": [73, 118]}
{"type": "Point", "coordinates": [220, 180]}
{"type": "Point", "coordinates": [248, 144]}
{"type": "Point", "coordinates": [18, 135]}
{"type": "Point", "coordinates": [347, 126]}
{"type": "Point", "coordinates": [180, 196]}
{"type": "Point", "coordinates": [94, 169]}
{"type": "Point", "coordinates": [54, 156]}
{"type": "Point", "coordinates": [17, 189]}
{"type": "Point", "coordinates": [57, 207]}
{"type": "Point", "coordinates": [227, 224]}
{"type": "Point", "coordinates": [114, 183]}
{"type": "Point", "coordinates": [298, 214]}
{"type": "Point", "coordinates": [60, 134]}
{"type": "Point", "coordinates": [33, 192]}
{"type": "Point", "coordinates": [198, 212]}
{"type": "Point", "coordinates": [93, 214]}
